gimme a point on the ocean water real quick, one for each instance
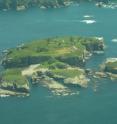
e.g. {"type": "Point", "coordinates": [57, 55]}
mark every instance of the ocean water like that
{"type": "Point", "coordinates": [42, 107]}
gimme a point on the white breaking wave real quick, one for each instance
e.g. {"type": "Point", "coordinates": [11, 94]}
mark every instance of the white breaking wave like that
{"type": "Point", "coordinates": [114, 40]}
{"type": "Point", "coordinates": [88, 21]}
{"type": "Point", "coordinates": [4, 96]}
{"type": "Point", "coordinates": [99, 38]}
{"type": "Point", "coordinates": [87, 16]}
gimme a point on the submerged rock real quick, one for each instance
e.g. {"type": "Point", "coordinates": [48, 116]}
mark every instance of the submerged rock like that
{"type": "Point", "coordinates": [20, 8]}
{"type": "Point", "coordinates": [100, 74]}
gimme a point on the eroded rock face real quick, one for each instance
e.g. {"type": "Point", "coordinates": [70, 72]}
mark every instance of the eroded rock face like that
{"type": "Point", "coordinates": [58, 82]}
{"type": "Point", "coordinates": [14, 87]}
{"type": "Point", "coordinates": [80, 81]}
{"type": "Point", "coordinates": [24, 61]}
{"type": "Point", "coordinates": [14, 83]}
{"type": "Point", "coordinates": [74, 61]}
{"type": "Point", "coordinates": [95, 46]}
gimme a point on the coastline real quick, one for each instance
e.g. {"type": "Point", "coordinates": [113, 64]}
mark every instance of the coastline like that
{"type": "Point", "coordinates": [52, 4]}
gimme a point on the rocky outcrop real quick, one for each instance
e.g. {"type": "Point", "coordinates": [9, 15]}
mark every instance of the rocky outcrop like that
{"type": "Point", "coordinates": [6, 93]}
{"type": "Point", "coordinates": [14, 87]}
{"type": "Point", "coordinates": [110, 65]}
{"type": "Point", "coordinates": [74, 60]}
{"type": "Point", "coordinates": [80, 81]}
{"type": "Point", "coordinates": [92, 46]}
{"type": "Point", "coordinates": [59, 83]}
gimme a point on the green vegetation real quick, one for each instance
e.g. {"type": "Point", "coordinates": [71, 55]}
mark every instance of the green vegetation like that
{"type": "Point", "coordinates": [53, 64]}
{"type": "Point", "coordinates": [15, 76]}
{"type": "Point", "coordinates": [68, 73]}
{"type": "Point", "coordinates": [61, 69]}
{"type": "Point", "coordinates": [13, 80]}
{"type": "Point", "coordinates": [52, 47]}
{"type": "Point", "coordinates": [70, 50]}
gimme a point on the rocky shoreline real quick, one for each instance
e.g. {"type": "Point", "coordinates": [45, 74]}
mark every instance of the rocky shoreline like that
{"type": "Point", "coordinates": [43, 4]}
{"type": "Point", "coordinates": [20, 5]}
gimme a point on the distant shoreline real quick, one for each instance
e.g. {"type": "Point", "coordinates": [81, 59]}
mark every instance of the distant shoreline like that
{"type": "Point", "coordinates": [19, 6]}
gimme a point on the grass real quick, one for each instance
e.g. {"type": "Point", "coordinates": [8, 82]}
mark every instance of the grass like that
{"type": "Point", "coordinates": [68, 72]}
{"type": "Point", "coordinates": [52, 64]}
{"type": "Point", "coordinates": [53, 47]}
{"type": "Point", "coordinates": [13, 76]}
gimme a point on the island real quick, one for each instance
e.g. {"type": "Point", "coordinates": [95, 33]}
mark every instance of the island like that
{"type": "Point", "coordinates": [55, 63]}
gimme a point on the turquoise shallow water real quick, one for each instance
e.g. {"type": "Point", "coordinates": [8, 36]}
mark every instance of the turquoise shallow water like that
{"type": "Point", "coordinates": [42, 107]}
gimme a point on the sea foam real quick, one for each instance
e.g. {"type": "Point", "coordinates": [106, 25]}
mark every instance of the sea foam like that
{"type": "Point", "coordinates": [114, 40]}
{"type": "Point", "coordinates": [88, 21]}
{"type": "Point", "coordinates": [87, 16]}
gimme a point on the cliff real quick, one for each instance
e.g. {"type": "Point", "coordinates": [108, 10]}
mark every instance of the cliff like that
{"type": "Point", "coordinates": [71, 50]}
{"type": "Point", "coordinates": [13, 83]}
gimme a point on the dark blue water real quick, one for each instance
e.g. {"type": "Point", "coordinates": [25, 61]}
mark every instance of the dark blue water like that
{"type": "Point", "coordinates": [42, 107]}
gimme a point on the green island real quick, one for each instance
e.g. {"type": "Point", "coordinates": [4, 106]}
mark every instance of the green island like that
{"type": "Point", "coordinates": [54, 63]}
